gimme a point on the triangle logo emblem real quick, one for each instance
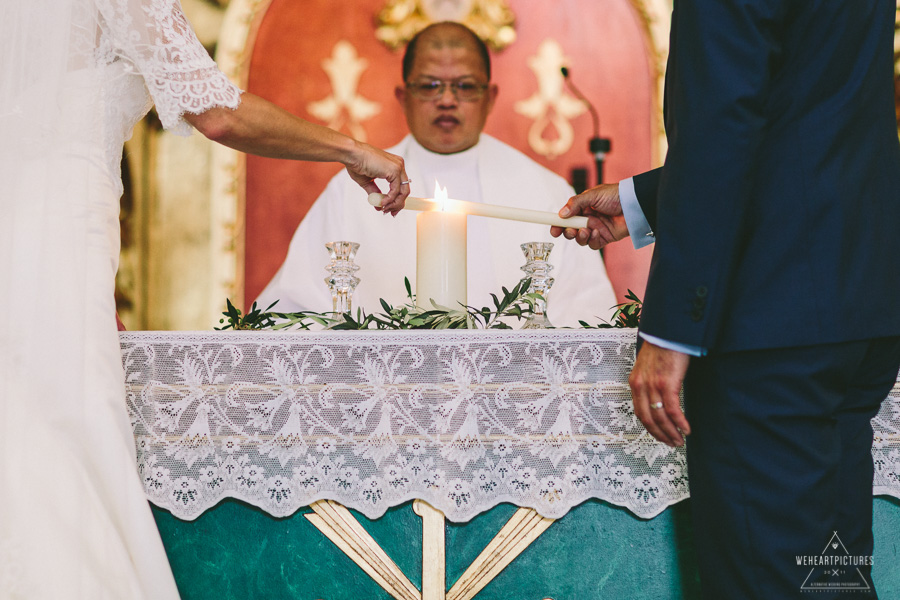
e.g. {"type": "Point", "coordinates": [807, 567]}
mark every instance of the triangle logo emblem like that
{"type": "Point", "coordinates": [835, 569]}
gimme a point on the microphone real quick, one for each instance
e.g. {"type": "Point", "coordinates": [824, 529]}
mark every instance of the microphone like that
{"type": "Point", "coordinates": [599, 147]}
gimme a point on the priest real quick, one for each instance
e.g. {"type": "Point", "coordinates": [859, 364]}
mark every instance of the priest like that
{"type": "Point", "coordinates": [446, 98]}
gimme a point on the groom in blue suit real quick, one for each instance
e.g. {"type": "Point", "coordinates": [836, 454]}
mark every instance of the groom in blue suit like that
{"type": "Point", "coordinates": [774, 292]}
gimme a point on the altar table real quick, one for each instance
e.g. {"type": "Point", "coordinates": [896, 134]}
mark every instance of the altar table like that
{"type": "Point", "coordinates": [469, 422]}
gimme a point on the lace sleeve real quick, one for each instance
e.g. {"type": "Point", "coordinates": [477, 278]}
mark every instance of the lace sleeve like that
{"type": "Point", "coordinates": [156, 38]}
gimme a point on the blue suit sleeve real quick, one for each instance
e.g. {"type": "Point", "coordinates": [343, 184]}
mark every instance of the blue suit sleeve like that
{"type": "Point", "coordinates": [716, 89]}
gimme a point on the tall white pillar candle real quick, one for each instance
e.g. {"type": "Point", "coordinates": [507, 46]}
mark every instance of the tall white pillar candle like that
{"type": "Point", "coordinates": [440, 259]}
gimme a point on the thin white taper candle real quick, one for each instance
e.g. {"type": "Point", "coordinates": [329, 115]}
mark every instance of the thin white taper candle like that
{"type": "Point", "coordinates": [488, 210]}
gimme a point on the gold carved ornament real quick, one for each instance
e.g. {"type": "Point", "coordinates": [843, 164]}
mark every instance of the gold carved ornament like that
{"type": "Point", "coordinates": [491, 20]}
{"type": "Point", "coordinates": [897, 66]}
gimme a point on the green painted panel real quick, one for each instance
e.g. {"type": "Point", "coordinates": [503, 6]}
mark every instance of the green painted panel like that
{"type": "Point", "coordinates": [237, 552]}
{"type": "Point", "coordinates": [597, 551]}
{"type": "Point", "coordinates": [886, 557]}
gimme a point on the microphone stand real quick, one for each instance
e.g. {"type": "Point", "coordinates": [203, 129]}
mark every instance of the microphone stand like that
{"type": "Point", "coordinates": [598, 146]}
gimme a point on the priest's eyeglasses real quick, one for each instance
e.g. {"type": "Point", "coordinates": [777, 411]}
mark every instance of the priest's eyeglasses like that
{"type": "Point", "coordinates": [465, 90]}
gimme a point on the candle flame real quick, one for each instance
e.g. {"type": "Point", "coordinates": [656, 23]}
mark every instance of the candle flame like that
{"type": "Point", "coordinates": [440, 195]}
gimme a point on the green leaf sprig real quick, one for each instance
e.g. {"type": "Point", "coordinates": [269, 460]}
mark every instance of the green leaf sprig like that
{"type": "Point", "coordinates": [255, 319]}
{"type": "Point", "coordinates": [627, 314]}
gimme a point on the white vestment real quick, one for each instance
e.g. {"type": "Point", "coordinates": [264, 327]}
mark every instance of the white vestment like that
{"type": "Point", "coordinates": [490, 172]}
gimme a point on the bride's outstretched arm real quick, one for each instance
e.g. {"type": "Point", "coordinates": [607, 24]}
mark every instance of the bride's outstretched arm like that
{"type": "Point", "coordinates": [155, 39]}
{"type": "Point", "coordinates": [259, 127]}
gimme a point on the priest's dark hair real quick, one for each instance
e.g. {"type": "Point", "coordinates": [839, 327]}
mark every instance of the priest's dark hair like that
{"type": "Point", "coordinates": [409, 57]}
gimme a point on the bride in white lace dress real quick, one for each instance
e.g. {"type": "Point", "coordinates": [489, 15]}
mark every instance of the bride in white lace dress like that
{"type": "Point", "coordinates": [75, 76]}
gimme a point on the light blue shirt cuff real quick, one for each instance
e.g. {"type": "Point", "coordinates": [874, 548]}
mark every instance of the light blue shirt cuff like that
{"type": "Point", "coordinates": [638, 227]}
{"type": "Point", "coordinates": [677, 347]}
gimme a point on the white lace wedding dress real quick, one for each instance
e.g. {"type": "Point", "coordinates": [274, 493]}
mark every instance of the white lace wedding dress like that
{"type": "Point", "coordinates": [74, 79]}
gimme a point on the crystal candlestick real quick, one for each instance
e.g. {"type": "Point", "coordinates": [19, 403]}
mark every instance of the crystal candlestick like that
{"type": "Point", "coordinates": [341, 278]}
{"type": "Point", "coordinates": [538, 269]}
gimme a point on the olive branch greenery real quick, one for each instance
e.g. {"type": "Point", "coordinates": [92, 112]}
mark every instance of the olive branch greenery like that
{"type": "Point", "coordinates": [517, 302]}
{"type": "Point", "coordinates": [627, 314]}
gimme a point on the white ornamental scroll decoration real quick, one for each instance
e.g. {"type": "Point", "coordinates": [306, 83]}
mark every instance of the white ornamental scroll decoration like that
{"type": "Point", "coordinates": [551, 105]}
{"type": "Point", "coordinates": [345, 106]}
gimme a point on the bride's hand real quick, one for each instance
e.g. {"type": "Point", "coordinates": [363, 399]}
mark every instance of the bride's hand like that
{"type": "Point", "coordinates": [370, 163]}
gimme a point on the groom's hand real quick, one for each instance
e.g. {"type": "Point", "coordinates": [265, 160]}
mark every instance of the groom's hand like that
{"type": "Point", "coordinates": [605, 221]}
{"type": "Point", "coordinates": [655, 386]}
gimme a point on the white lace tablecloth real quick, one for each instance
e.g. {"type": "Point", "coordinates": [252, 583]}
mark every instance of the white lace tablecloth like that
{"type": "Point", "coordinates": [462, 420]}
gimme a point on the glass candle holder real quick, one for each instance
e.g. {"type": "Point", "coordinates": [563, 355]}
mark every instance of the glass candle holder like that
{"type": "Point", "coordinates": [537, 267]}
{"type": "Point", "coordinates": [341, 279]}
